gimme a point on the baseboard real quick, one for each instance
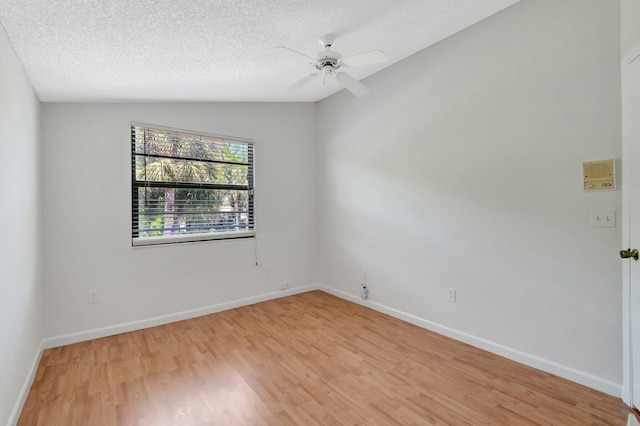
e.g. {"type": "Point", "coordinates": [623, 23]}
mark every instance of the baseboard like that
{"type": "Point", "coordinates": [97, 333]}
{"type": "Point", "coordinates": [581, 377]}
{"type": "Point", "coordinates": [577, 376]}
{"type": "Point", "coordinates": [26, 387]}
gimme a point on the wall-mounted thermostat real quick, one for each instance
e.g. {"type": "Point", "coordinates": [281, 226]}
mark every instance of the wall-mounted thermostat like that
{"type": "Point", "coordinates": [599, 175]}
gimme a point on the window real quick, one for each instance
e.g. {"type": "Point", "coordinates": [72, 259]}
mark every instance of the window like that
{"type": "Point", "coordinates": [188, 186]}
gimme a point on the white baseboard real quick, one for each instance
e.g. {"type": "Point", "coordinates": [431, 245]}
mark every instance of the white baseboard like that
{"type": "Point", "coordinates": [581, 377]}
{"type": "Point", "coordinates": [26, 387]}
{"type": "Point", "coordinates": [97, 333]}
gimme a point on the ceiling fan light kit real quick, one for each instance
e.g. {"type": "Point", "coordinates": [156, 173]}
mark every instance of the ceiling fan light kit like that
{"type": "Point", "coordinates": [328, 62]}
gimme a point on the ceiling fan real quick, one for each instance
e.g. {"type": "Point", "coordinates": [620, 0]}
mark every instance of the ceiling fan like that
{"type": "Point", "coordinates": [328, 62]}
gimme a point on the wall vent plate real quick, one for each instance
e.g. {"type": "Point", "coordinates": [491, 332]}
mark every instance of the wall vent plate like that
{"type": "Point", "coordinates": [599, 175]}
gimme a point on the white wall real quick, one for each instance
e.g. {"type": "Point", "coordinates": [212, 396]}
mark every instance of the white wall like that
{"type": "Point", "coordinates": [463, 169]}
{"type": "Point", "coordinates": [630, 13]}
{"type": "Point", "coordinates": [87, 214]}
{"type": "Point", "coordinates": [20, 280]}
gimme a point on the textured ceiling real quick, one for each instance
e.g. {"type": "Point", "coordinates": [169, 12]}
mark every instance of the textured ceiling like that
{"type": "Point", "coordinates": [215, 50]}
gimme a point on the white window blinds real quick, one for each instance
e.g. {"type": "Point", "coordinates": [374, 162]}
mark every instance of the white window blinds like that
{"type": "Point", "coordinates": [188, 186]}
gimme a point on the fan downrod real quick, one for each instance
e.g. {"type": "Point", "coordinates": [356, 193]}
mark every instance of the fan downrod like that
{"type": "Point", "coordinates": [327, 40]}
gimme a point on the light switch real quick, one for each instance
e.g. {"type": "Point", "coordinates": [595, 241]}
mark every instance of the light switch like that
{"type": "Point", "coordinates": [603, 218]}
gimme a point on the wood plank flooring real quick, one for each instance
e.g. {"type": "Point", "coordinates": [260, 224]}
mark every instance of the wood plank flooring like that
{"type": "Point", "coordinates": [301, 360]}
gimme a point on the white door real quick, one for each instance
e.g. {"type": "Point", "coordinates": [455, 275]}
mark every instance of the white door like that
{"type": "Point", "coordinates": [631, 224]}
{"type": "Point", "coordinates": [633, 301]}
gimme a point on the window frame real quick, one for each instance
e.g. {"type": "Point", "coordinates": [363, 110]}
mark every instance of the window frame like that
{"type": "Point", "coordinates": [137, 241]}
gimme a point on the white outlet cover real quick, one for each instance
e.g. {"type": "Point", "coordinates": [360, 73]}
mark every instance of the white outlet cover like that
{"type": "Point", "coordinates": [451, 295]}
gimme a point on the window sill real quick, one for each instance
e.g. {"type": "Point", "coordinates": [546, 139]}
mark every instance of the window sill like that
{"type": "Point", "coordinates": [180, 239]}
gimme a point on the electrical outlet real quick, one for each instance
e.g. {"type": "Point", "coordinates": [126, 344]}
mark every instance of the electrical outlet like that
{"type": "Point", "coordinates": [451, 295]}
{"type": "Point", "coordinates": [283, 285]}
{"type": "Point", "coordinates": [92, 296]}
{"type": "Point", "coordinates": [364, 291]}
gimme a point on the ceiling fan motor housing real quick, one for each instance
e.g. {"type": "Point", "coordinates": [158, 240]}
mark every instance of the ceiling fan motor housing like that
{"type": "Point", "coordinates": [327, 61]}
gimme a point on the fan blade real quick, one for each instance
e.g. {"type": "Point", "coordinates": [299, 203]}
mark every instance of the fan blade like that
{"type": "Point", "coordinates": [351, 84]}
{"type": "Point", "coordinates": [306, 80]}
{"type": "Point", "coordinates": [295, 51]}
{"type": "Point", "coordinates": [367, 58]}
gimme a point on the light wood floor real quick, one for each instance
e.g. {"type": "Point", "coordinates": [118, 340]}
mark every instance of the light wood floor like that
{"type": "Point", "coordinates": [306, 359]}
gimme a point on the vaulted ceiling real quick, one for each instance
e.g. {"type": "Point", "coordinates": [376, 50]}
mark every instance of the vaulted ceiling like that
{"type": "Point", "coordinates": [215, 50]}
